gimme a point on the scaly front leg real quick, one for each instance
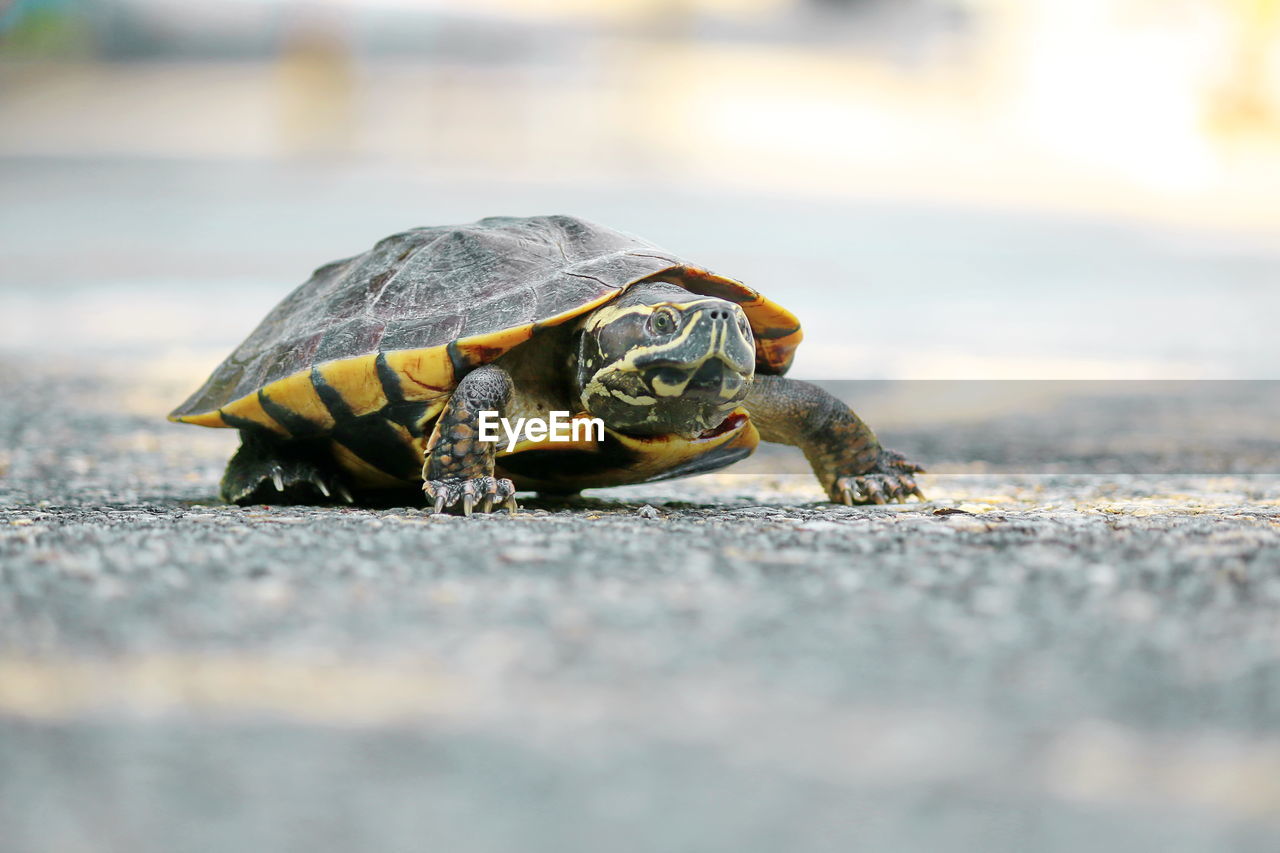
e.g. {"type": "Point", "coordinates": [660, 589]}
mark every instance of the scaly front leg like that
{"type": "Point", "coordinates": [458, 468]}
{"type": "Point", "coordinates": [843, 451]}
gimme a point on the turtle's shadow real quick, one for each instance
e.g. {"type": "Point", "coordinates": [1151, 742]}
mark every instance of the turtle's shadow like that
{"type": "Point", "coordinates": [398, 500]}
{"type": "Point", "coordinates": [555, 503]}
{"type": "Point", "coordinates": [532, 501]}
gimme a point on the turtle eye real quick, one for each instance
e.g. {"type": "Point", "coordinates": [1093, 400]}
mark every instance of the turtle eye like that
{"type": "Point", "coordinates": [663, 321]}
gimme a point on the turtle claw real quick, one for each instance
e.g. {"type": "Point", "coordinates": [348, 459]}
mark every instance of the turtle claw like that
{"type": "Point", "coordinates": [320, 484]}
{"type": "Point", "coordinates": [278, 474]}
{"type": "Point", "coordinates": [326, 485]}
{"type": "Point", "coordinates": [876, 490]}
{"type": "Point", "coordinates": [889, 481]}
{"type": "Point", "coordinates": [482, 493]}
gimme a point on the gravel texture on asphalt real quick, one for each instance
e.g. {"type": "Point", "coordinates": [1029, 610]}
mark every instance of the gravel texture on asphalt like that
{"type": "Point", "coordinates": [1073, 646]}
{"type": "Point", "coordinates": [1028, 661]}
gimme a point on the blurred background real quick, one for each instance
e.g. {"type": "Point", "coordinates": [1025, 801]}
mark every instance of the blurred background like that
{"type": "Point", "coordinates": [939, 188]}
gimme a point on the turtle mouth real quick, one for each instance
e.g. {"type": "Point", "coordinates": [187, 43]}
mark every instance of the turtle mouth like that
{"type": "Point", "coordinates": [734, 421]}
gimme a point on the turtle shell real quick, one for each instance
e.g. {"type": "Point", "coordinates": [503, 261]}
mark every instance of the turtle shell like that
{"type": "Point", "coordinates": [405, 321]}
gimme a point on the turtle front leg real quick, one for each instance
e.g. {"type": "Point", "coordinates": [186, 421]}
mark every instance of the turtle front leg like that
{"type": "Point", "coordinates": [843, 451]}
{"type": "Point", "coordinates": [458, 469]}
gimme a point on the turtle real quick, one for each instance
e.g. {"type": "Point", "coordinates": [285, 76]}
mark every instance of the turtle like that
{"type": "Point", "coordinates": [377, 374]}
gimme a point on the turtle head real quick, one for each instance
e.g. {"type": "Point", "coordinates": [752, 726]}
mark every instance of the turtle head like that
{"type": "Point", "coordinates": [661, 360]}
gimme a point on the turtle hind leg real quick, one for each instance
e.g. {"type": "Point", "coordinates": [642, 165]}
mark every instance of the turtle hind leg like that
{"type": "Point", "coordinates": [270, 470]}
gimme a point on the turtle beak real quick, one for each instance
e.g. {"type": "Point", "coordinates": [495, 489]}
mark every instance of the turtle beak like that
{"type": "Point", "coordinates": [733, 347]}
{"type": "Point", "coordinates": [715, 382]}
{"type": "Point", "coordinates": [714, 362]}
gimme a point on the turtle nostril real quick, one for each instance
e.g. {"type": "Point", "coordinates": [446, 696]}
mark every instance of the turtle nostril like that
{"type": "Point", "coordinates": [718, 314]}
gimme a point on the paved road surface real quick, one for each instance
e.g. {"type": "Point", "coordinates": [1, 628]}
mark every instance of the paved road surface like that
{"type": "Point", "coordinates": [1074, 646]}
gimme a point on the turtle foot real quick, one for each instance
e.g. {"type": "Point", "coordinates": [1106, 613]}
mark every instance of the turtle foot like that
{"type": "Point", "coordinates": [890, 480]}
{"type": "Point", "coordinates": [478, 493]}
{"type": "Point", "coordinates": [269, 472]}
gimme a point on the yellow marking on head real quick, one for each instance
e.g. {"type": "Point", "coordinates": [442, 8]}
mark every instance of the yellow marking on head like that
{"type": "Point", "coordinates": [628, 361]}
{"type": "Point", "coordinates": [298, 395]}
{"type": "Point", "coordinates": [634, 401]}
{"type": "Point", "coordinates": [730, 386]}
{"type": "Point", "coordinates": [663, 388]}
{"type": "Point", "coordinates": [627, 364]}
{"type": "Point", "coordinates": [609, 313]}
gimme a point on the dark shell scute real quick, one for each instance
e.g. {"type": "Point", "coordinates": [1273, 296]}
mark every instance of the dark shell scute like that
{"type": "Point", "coordinates": [428, 287]}
{"type": "Point", "coordinates": [408, 332]}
